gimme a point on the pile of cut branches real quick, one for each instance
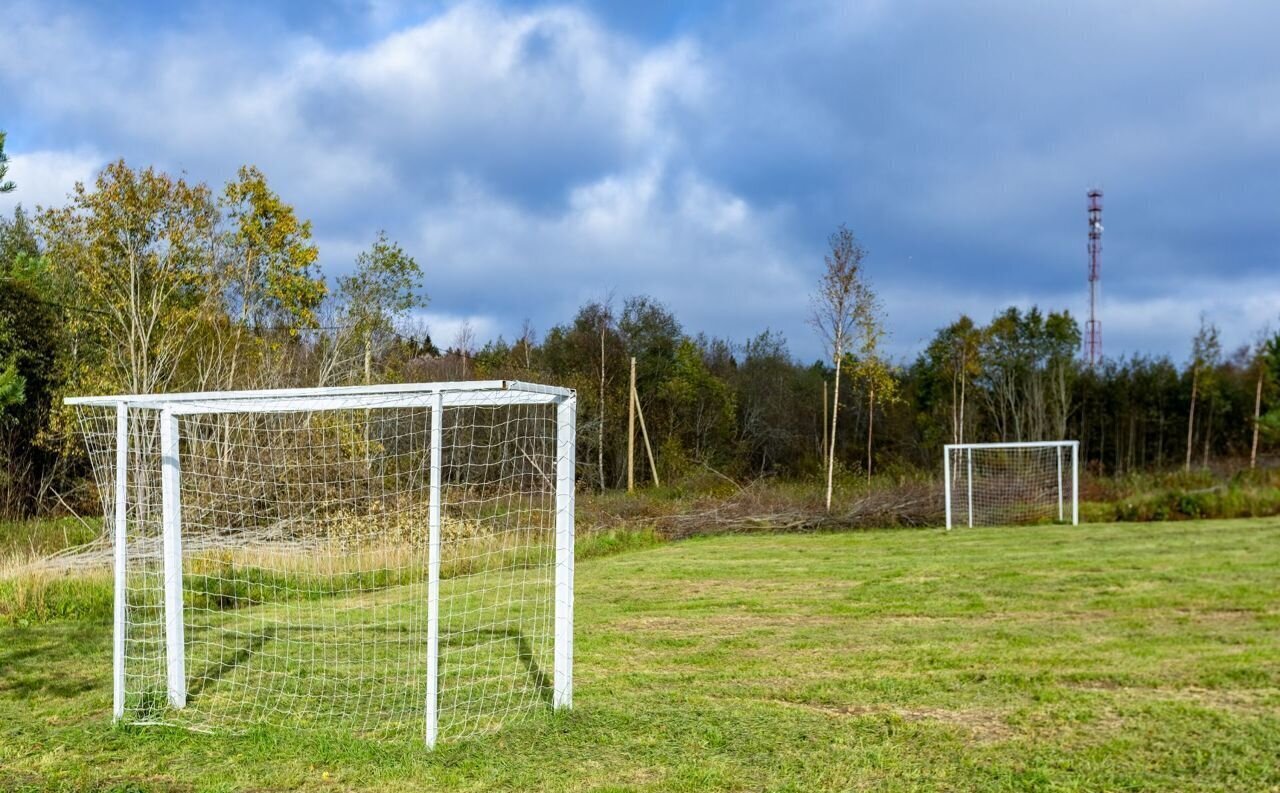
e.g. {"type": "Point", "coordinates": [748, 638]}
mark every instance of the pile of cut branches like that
{"type": "Point", "coordinates": [756, 508]}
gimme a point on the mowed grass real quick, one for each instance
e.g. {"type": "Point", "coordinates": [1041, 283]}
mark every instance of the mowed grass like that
{"type": "Point", "coordinates": [1100, 657]}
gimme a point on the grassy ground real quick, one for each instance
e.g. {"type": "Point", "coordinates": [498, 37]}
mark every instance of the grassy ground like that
{"type": "Point", "coordinates": [1103, 657]}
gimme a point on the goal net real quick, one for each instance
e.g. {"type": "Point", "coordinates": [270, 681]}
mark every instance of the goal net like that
{"type": "Point", "coordinates": [388, 561]}
{"type": "Point", "coordinates": [996, 484]}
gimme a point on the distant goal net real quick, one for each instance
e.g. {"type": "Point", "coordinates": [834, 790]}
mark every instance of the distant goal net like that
{"type": "Point", "coordinates": [996, 484]}
{"type": "Point", "coordinates": [386, 561]}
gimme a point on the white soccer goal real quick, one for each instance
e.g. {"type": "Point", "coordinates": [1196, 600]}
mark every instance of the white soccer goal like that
{"type": "Point", "coordinates": [996, 484]}
{"type": "Point", "coordinates": [389, 561]}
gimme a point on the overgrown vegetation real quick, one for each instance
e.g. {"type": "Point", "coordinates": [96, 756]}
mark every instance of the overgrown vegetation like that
{"type": "Point", "coordinates": [35, 588]}
{"type": "Point", "coordinates": [144, 281]}
{"type": "Point", "coordinates": [1183, 496]}
{"type": "Point", "coordinates": [1099, 657]}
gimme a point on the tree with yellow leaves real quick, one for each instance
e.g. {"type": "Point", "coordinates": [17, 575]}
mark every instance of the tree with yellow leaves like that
{"type": "Point", "coordinates": [135, 253]}
{"type": "Point", "coordinates": [273, 278]}
{"type": "Point", "coordinates": [840, 307]}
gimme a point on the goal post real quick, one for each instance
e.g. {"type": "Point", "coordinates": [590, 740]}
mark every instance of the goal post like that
{"type": "Point", "coordinates": [1008, 483]}
{"type": "Point", "coordinates": [391, 561]}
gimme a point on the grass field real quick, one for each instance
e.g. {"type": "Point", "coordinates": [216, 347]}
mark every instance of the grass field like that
{"type": "Point", "coordinates": [1103, 657]}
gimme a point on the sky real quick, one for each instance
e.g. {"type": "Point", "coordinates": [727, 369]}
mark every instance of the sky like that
{"type": "Point", "coordinates": [533, 156]}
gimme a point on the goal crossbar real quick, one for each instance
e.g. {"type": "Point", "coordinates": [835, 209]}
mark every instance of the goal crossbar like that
{"type": "Point", "coordinates": [325, 395]}
{"type": "Point", "coordinates": [1013, 445]}
{"type": "Point", "coordinates": [131, 430]}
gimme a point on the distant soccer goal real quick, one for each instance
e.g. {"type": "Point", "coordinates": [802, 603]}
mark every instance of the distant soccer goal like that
{"type": "Point", "coordinates": [387, 561]}
{"type": "Point", "coordinates": [995, 484]}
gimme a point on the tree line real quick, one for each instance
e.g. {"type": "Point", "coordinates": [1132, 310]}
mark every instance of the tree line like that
{"type": "Point", "coordinates": [144, 282]}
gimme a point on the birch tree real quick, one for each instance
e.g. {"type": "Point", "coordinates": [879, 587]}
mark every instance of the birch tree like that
{"type": "Point", "coordinates": [1266, 365]}
{"type": "Point", "coordinates": [1027, 369]}
{"type": "Point", "coordinates": [840, 304]}
{"type": "Point", "coordinates": [384, 288]}
{"type": "Point", "coordinates": [954, 358]}
{"type": "Point", "coordinates": [270, 284]}
{"type": "Point", "coordinates": [1206, 349]}
{"type": "Point", "coordinates": [274, 278]}
{"type": "Point", "coordinates": [881, 385]}
{"type": "Point", "coordinates": [526, 343]}
{"type": "Point", "coordinates": [869, 367]}
{"type": "Point", "coordinates": [965, 364]}
{"type": "Point", "coordinates": [583, 355]}
{"type": "Point", "coordinates": [136, 250]}
{"type": "Point", "coordinates": [604, 322]}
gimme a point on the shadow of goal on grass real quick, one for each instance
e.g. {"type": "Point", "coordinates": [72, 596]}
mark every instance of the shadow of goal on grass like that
{"type": "Point", "coordinates": [538, 679]}
{"type": "Point", "coordinates": [152, 705]}
{"type": "Point", "coordinates": [254, 643]}
{"type": "Point", "coordinates": [225, 664]}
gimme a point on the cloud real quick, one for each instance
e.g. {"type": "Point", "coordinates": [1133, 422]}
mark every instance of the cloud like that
{"type": "Point", "coordinates": [446, 330]}
{"type": "Point", "coordinates": [530, 102]}
{"type": "Point", "coordinates": [641, 231]}
{"type": "Point", "coordinates": [1160, 322]}
{"type": "Point", "coordinates": [535, 157]}
{"type": "Point", "coordinates": [45, 178]}
{"type": "Point", "coordinates": [530, 160]}
{"type": "Point", "coordinates": [1166, 322]}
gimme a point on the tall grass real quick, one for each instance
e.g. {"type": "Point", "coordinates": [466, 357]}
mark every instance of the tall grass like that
{"type": "Point", "coordinates": [23, 541]}
{"type": "Point", "coordinates": [1182, 495]}
{"type": "Point", "coordinates": [238, 577]}
{"type": "Point", "coordinates": [29, 595]}
{"type": "Point", "coordinates": [38, 596]}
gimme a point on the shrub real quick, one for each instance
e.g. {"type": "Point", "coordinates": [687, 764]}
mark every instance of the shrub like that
{"type": "Point", "coordinates": [1232, 500]}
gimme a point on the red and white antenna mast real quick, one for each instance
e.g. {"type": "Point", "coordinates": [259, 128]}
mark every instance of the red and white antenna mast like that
{"type": "Point", "coordinates": [1093, 331]}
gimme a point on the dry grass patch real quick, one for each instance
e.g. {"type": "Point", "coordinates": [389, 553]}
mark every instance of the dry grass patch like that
{"type": "Point", "coordinates": [981, 725]}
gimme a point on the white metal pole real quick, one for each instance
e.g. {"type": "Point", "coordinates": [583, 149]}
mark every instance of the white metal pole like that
{"type": "Point", "coordinates": [433, 576]}
{"type": "Point", "coordinates": [1075, 483]}
{"type": "Point", "coordinates": [122, 494]}
{"type": "Point", "coordinates": [970, 479]}
{"type": "Point", "coordinates": [566, 418]}
{"type": "Point", "coordinates": [171, 508]}
{"type": "Point", "coordinates": [1058, 449]}
{"type": "Point", "coordinates": [946, 481]}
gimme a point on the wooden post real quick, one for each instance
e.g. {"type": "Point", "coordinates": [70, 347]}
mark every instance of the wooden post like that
{"type": "Point", "coordinates": [631, 430]}
{"type": "Point", "coordinates": [644, 432]}
{"type": "Point", "coordinates": [368, 358]}
{"type": "Point", "coordinates": [871, 421]}
{"type": "Point", "coordinates": [1257, 414]}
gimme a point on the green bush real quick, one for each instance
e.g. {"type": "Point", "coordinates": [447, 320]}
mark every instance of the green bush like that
{"type": "Point", "coordinates": [612, 541]}
{"type": "Point", "coordinates": [1233, 500]}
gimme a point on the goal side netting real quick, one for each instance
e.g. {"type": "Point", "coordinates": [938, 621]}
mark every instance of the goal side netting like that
{"type": "Point", "coordinates": [391, 564]}
{"type": "Point", "coordinates": [997, 484]}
